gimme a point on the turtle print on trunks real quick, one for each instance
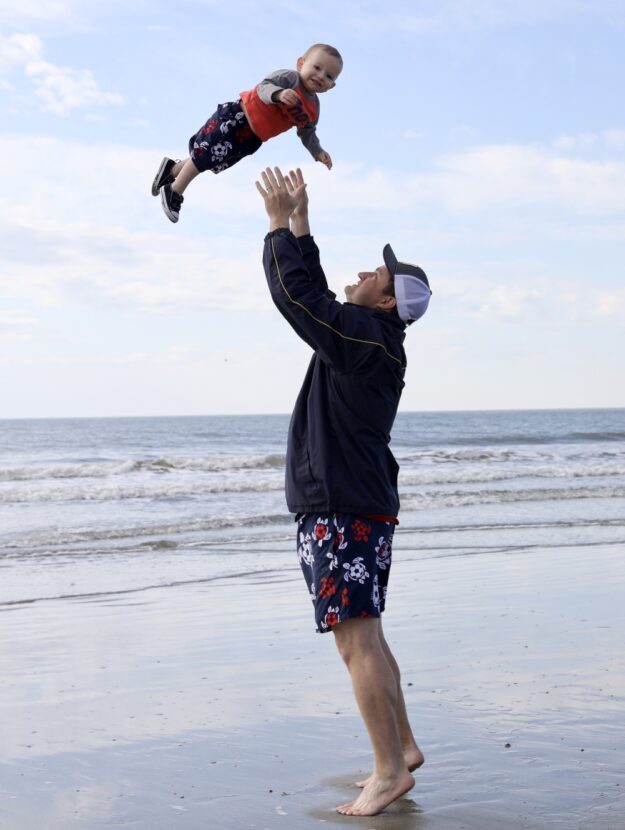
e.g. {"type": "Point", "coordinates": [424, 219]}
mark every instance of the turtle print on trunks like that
{"type": "Point", "coordinates": [346, 561]}
{"type": "Point", "coordinates": [224, 140]}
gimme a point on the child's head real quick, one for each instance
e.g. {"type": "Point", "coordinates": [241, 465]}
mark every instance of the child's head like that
{"type": "Point", "coordinates": [319, 67]}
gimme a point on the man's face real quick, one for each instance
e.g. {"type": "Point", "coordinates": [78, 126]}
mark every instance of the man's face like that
{"type": "Point", "coordinates": [369, 291]}
{"type": "Point", "coordinates": [318, 71]}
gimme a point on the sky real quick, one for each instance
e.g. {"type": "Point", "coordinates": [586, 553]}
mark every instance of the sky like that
{"type": "Point", "coordinates": [485, 140]}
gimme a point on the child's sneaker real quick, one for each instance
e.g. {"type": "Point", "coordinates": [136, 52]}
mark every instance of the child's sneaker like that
{"type": "Point", "coordinates": [163, 176]}
{"type": "Point", "coordinates": [172, 202]}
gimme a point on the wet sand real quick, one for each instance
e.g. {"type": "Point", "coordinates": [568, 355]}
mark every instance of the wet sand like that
{"type": "Point", "coordinates": [215, 705]}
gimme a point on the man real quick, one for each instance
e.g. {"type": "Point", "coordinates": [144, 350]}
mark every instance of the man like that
{"type": "Point", "coordinates": [341, 477]}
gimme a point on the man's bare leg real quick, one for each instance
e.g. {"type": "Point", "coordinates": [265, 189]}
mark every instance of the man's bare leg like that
{"type": "Point", "coordinates": [413, 756]}
{"type": "Point", "coordinates": [375, 688]}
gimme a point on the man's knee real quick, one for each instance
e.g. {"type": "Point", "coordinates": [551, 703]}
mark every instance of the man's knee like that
{"type": "Point", "coordinates": [357, 638]}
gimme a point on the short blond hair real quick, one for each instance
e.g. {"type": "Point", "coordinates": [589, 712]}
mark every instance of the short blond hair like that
{"type": "Point", "coordinates": [330, 50]}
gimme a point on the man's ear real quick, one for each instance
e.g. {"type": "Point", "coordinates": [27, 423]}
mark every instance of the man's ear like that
{"type": "Point", "coordinates": [387, 303]}
{"type": "Point", "coordinates": [299, 64]}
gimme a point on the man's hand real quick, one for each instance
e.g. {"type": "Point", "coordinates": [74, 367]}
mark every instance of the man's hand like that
{"type": "Point", "coordinates": [324, 158]}
{"type": "Point", "coordinates": [296, 186]}
{"type": "Point", "coordinates": [286, 96]}
{"type": "Point", "coordinates": [279, 202]}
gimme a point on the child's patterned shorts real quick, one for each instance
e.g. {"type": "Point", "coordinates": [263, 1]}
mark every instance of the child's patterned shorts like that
{"type": "Point", "coordinates": [225, 139]}
{"type": "Point", "coordinates": [346, 560]}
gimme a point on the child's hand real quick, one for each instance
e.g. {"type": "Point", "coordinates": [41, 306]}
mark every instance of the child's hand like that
{"type": "Point", "coordinates": [287, 96]}
{"type": "Point", "coordinates": [324, 158]}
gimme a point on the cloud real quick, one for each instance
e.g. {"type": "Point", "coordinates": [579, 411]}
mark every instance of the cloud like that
{"type": "Point", "coordinates": [16, 325]}
{"type": "Point", "coordinates": [61, 89]}
{"type": "Point", "coordinates": [396, 15]}
{"type": "Point", "coordinates": [577, 142]}
{"type": "Point", "coordinates": [10, 318]}
{"type": "Point", "coordinates": [609, 303]}
{"type": "Point", "coordinates": [445, 16]}
{"type": "Point", "coordinates": [34, 10]}
{"type": "Point", "coordinates": [67, 12]}
{"type": "Point", "coordinates": [516, 177]}
{"type": "Point", "coordinates": [612, 139]}
{"type": "Point", "coordinates": [615, 138]}
{"type": "Point", "coordinates": [506, 301]}
{"type": "Point", "coordinates": [17, 50]}
{"type": "Point", "coordinates": [142, 273]}
{"type": "Point", "coordinates": [65, 240]}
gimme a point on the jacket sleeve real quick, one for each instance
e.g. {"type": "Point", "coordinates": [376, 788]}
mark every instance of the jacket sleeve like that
{"type": "Point", "coordinates": [344, 336]}
{"type": "Point", "coordinates": [310, 254]}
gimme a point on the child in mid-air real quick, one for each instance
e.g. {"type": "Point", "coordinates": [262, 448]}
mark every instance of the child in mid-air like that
{"type": "Point", "coordinates": [285, 99]}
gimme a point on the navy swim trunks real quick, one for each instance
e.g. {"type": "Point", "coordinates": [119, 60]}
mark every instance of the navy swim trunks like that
{"type": "Point", "coordinates": [346, 561]}
{"type": "Point", "coordinates": [225, 139]}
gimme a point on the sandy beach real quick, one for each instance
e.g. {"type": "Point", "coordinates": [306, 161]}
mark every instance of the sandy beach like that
{"type": "Point", "coordinates": [215, 704]}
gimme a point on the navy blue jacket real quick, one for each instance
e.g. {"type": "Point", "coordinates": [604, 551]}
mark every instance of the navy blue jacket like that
{"type": "Point", "coordinates": [338, 455]}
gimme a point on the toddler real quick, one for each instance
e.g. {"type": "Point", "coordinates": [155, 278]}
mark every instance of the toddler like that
{"type": "Point", "coordinates": [285, 99]}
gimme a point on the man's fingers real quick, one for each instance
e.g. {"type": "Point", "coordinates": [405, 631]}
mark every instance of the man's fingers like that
{"type": "Point", "coordinates": [269, 178]}
{"type": "Point", "coordinates": [273, 179]}
{"type": "Point", "coordinates": [292, 180]}
{"type": "Point", "coordinates": [276, 183]}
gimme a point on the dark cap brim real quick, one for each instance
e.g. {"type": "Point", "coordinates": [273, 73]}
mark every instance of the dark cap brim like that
{"type": "Point", "coordinates": [390, 260]}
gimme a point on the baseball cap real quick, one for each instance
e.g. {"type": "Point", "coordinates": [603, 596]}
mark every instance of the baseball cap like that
{"type": "Point", "coordinates": [412, 289]}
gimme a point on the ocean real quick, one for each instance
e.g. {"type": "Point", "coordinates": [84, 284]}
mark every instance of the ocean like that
{"type": "Point", "coordinates": [99, 507]}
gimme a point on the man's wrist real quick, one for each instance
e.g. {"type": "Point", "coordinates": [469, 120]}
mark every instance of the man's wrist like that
{"type": "Point", "coordinates": [300, 225]}
{"type": "Point", "coordinates": [276, 222]}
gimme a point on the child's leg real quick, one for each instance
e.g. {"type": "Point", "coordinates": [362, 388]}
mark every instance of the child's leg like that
{"type": "Point", "coordinates": [184, 171]}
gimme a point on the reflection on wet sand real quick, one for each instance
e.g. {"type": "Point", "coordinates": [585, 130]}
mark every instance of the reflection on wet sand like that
{"type": "Point", "coordinates": [216, 705]}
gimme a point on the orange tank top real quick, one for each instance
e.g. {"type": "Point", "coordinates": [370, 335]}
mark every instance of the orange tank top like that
{"type": "Point", "coordinates": [269, 120]}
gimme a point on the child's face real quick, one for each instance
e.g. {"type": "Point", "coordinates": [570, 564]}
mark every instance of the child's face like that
{"type": "Point", "coordinates": [318, 71]}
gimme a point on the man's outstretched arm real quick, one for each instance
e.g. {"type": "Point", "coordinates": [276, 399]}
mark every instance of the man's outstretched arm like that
{"type": "Point", "coordinates": [300, 227]}
{"type": "Point", "coordinates": [338, 332]}
{"type": "Point", "coordinates": [282, 212]}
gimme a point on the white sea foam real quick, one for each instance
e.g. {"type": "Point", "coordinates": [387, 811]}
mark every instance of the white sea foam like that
{"type": "Point", "coordinates": [127, 497]}
{"type": "Point", "coordinates": [190, 489]}
{"type": "Point", "coordinates": [163, 465]}
{"type": "Point", "coordinates": [460, 498]}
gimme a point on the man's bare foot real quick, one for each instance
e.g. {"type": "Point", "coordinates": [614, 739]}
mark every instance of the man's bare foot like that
{"type": "Point", "coordinates": [377, 795]}
{"type": "Point", "coordinates": [414, 759]}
